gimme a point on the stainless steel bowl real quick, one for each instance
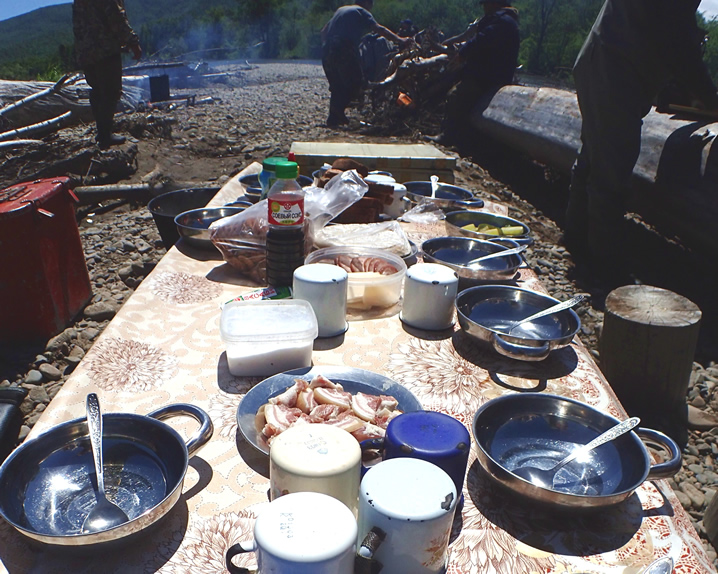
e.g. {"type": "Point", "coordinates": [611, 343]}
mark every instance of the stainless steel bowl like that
{"type": "Point", "coordinates": [538, 430]}
{"type": "Point", "coordinates": [456, 220]}
{"type": "Point", "coordinates": [487, 312]}
{"type": "Point", "coordinates": [46, 489]}
{"type": "Point", "coordinates": [193, 226]}
{"type": "Point", "coordinates": [447, 196]}
{"type": "Point", "coordinates": [455, 252]}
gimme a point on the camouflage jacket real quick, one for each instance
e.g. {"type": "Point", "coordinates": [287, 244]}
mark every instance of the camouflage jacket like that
{"type": "Point", "coordinates": [101, 29]}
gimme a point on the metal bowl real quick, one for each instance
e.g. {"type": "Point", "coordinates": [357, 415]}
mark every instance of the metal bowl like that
{"type": "Point", "coordinates": [487, 312]}
{"type": "Point", "coordinates": [455, 252]}
{"type": "Point", "coordinates": [538, 430]}
{"type": "Point", "coordinates": [447, 196]}
{"type": "Point", "coordinates": [164, 208]}
{"type": "Point", "coordinates": [456, 220]}
{"type": "Point", "coordinates": [46, 485]}
{"type": "Point", "coordinates": [193, 226]}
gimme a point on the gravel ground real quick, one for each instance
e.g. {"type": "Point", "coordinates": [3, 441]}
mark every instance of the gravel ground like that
{"type": "Point", "coordinates": [260, 112]}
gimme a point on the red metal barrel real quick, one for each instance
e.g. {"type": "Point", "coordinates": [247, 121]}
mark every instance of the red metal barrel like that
{"type": "Point", "coordinates": [44, 281]}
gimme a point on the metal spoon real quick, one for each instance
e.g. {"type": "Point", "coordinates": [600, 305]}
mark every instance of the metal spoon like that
{"type": "Point", "coordinates": [104, 514]}
{"type": "Point", "coordinates": [544, 478]}
{"type": "Point", "coordinates": [434, 185]}
{"type": "Point", "coordinates": [550, 311]}
{"type": "Point", "coordinates": [503, 253]}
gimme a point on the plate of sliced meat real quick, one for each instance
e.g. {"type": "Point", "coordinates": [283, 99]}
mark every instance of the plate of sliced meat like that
{"type": "Point", "coordinates": [358, 401]}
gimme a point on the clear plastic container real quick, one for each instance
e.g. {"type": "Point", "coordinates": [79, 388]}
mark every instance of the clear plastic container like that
{"type": "Point", "coordinates": [366, 289]}
{"type": "Point", "coordinates": [264, 338]}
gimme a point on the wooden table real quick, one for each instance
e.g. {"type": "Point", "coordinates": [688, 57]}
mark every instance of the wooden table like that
{"type": "Point", "coordinates": [164, 347]}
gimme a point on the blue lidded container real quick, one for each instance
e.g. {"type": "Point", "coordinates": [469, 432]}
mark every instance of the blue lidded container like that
{"type": "Point", "coordinates": [268, 174]}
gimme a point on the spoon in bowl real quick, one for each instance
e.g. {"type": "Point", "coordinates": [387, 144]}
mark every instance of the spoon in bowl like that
{"type": "Point", "coordinates": [544, 478]}
{"type": "Point", "coordinates": [104, 515]}
{"type": "Point", "coordinates": [573, 301]}
{"type": "Point", "coordinates": [513, 251]}
{"type": "Point", "coordinates": [434, 185]}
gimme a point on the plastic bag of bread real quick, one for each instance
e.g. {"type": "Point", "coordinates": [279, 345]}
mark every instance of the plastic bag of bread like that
{"type": "Point", "coordinates": [242, 238]}
{"type": "Point", "coordinates": [387, 235]}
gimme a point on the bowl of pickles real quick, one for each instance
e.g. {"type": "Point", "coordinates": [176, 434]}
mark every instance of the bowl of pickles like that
{"type": "Point", "coordinates": [486, 226]}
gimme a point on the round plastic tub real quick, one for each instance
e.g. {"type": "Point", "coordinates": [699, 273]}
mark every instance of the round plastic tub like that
{"type": "Point", "coordinates": [367, 287]}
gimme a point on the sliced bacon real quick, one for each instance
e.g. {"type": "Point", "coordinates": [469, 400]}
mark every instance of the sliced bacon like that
{"type": "Point", "coordinates": [368, 431]}
{"type": "Point", "coordinates": [279, 418]}
{"type": "Point", "coordinates": [306, 400]}
{"type": "Point", "coordinates": [365, 406]}
{"type": "Point", "coordinates": [388, 402]}
{"type": "Point", "coordinates": [326, 396]}
{"type": "Point", "coordinates": [323, 413]}
{"type": "Point", "coordinates": [384, 416]}
{"type": "Point", "coordinates": [321, 381]}
{"type": "Point", "coordinates": [347, 421]}
{"type": "Point", "coordinates": [289, 397]}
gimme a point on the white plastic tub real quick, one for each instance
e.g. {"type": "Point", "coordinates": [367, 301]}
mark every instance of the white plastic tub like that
{"type": "Point", "coordinates": [267, 337]}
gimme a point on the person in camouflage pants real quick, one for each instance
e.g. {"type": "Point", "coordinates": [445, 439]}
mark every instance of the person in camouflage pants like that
{"type": "Point", "coordinates": [102, 33]}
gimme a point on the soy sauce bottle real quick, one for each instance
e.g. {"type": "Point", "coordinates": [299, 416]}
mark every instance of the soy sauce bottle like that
{"type": "Point", "coordinates": [285, 236]}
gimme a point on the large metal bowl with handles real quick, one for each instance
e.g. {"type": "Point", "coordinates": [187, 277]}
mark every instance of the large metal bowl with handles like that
{"type": "Point", "coordinates": [487, 313]}
{"type": "Point", "coordinates": [447, 196]}
{"type": "Point", "coordinates": [539, 430]}
{"type": "Point", "coordinates": [456, 223]}
{"type": "Point", "coordinates": [47, 486]}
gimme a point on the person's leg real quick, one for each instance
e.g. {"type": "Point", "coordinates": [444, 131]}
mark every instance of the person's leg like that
{"type": "Point", "coordinates": [460, 103]}
{"type": "Point", "coordinates": [576, 226]}
{"type": "Point", "coordinates": [105, 80]}
{"type": "Point", "coordinates": [612, 118]}
{"type": "Point", "coordinates": [344, 74]}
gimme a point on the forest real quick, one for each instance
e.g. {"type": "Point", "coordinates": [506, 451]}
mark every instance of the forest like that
{"type": "Point", "coordinates": [40, 47]}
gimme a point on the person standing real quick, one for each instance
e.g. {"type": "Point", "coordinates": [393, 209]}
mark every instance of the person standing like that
{"type": "Point", "coordinates": [482, 65]}
{"type": "Point", "coordinates": [102, 33]}
{"type": "Point", "coordinates": [340, 54]}
{"type": "Point", "coordinates": [633, 49]}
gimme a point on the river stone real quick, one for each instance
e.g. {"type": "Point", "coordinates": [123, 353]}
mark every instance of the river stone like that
{"type": "Point", "coordinates": [697, 497]}
{"type": "Point", "coordinates": [50, 372]}
{"type": "Point", "coordinates": [100, 311]}
{"type": "Point", "coordinates": [33, 377]}
{"type": "Point", "coordinates": [710, 521]}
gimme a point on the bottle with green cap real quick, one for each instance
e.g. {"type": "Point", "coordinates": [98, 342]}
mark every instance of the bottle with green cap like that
{"type": "Point", "coordinates": [285, 236]}
{"type": "Point", "coordinates": [267, 176]}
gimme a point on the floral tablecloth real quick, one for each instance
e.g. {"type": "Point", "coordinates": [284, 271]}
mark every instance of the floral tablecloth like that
{"type": "Point", "coordinates": [164, 347]}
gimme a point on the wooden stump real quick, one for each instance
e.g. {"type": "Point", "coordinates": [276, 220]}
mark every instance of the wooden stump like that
{"type": "Point", "coordinates": [647, 348]}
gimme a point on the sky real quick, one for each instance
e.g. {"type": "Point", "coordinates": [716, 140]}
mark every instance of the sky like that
{"type": "Point", "coordinates": [12, 8]}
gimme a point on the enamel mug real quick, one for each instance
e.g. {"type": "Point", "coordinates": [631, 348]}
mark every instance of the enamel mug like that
{"type": "Point", "coordinates": [316, 458]}
{"type": "Point", "coordinates": [407, 505]}
{"type": "Point", "coordinates": [431, 436]}
{"type": "Point", "coordinates": [301, 533]}
{"type": "Point", "coordinates": [429, 295]}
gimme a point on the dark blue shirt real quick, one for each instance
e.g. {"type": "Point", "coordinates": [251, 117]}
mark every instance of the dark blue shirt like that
{"type": "Point", "coordinates": [349, 24]}
{"type": "Point", "coordinates": [492, 54]}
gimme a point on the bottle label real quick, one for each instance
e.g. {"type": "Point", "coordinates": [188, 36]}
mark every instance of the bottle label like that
{"type": "Point", "coordinates": [286, 211]}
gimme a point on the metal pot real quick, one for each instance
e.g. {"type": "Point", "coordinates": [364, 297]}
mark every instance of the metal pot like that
{"type": "Point", "coordinates": [456, 220]}
{"type": "Point", "coordinates": [536, 429]}
{"type": "Point", "coordinates": [447, 196]}
{"type": "Point", "coordinates": [487, 312]}
{"type": "Point", "coordinates": [46, 489]}
{"type": "Point", "coordinates": [455, 252]}
{"type": "Point", "coordinates": [164, 208]}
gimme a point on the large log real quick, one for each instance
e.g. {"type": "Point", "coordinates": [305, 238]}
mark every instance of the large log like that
{"type": "Point", "coordinates": [676, 176]}
{"type": "Point", "coordinates": [647, 346]}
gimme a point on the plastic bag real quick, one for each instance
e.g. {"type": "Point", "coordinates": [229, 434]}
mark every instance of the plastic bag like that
{"type": "Point", "coordinates": [242, 238]}
{"type": "Point", "coordinates": [424, 212]}
{"type": "Point", "coordinates": [387, 235]}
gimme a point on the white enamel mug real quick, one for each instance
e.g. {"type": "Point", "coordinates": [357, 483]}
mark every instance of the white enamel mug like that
{"type": "Point", "coordinates": [325, 288]}
{"type": "Point", "coordinates": [301, 533]}
{"type": "Point", "coordinates": [316, 458]}
{"type": "Point", "coordinates": [408, 505]}
{"type": "Point", "coordinates": [429, 294]}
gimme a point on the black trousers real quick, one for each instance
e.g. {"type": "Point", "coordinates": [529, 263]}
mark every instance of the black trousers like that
{"type": "Point", "coordinates": [105, 80]}
{"type": "Point", "coordinates": [342, 67]}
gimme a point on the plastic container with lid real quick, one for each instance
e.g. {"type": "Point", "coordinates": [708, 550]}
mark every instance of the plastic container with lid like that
{"type": "Point", "coordinates": [367, 288]}
{"type": "Point", "coordinates": [267, 337]}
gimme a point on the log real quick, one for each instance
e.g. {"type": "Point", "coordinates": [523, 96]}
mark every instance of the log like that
{"type": "Point", "coordinates": [647, 346]}
{"type": "Point", "coordinates": [98, 193]}
{"type": "Point", "coordinates": [675, 181]}
{"type": "Point", "coordinates": [47, 126]}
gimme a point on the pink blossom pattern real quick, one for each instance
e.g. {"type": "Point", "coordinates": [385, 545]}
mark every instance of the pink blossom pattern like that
{"type": "Point", "coordinates": [184, 288]}
{"type": "Point", "coordinates": [223, 409]}
{"type": "Point", "coordinates": [206, 542]}
{"type": "Point", "coordinates": [121, 365]}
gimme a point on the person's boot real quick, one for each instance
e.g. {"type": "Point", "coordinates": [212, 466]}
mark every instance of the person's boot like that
{"type": "Point", "coordinates": [104, 118]}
